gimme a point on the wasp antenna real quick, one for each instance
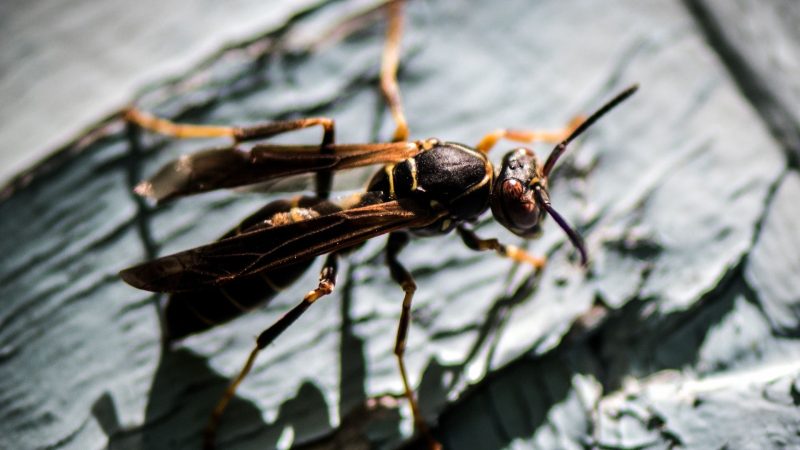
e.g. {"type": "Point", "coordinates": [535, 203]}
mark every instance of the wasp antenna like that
{"type": "Point", "coordinates": [561, 147]}
{"type": "Point", "coordinates": [574, 237]}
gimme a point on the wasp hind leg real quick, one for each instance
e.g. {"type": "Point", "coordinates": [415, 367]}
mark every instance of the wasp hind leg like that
{"type": "Point", "coordinates": [327, 281]}
{"type": "Point", "coordinates": [265, 130]}
{"type": "Point", "coordinates": [258, 131]}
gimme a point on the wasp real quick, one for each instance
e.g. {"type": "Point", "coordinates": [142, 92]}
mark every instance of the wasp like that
{"type": "Point", "coordinates": [425, 188]}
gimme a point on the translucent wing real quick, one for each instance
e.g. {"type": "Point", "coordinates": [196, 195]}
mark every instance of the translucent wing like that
{"type": "Point", "coordinates": [267, 248]}
{"type": "Point", "coordinates": [233, 167]}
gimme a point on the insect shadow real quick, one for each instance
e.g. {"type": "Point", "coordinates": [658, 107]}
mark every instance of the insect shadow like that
{"type": "Point", "coordinates": [185, 386]}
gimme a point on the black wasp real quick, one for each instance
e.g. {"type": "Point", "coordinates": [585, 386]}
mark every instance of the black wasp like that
{"type": "Point", "coordinates": [427, 187]}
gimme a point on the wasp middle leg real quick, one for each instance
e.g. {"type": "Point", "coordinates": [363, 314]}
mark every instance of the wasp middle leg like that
{"type": "Point", "coordinates": [397, 241]}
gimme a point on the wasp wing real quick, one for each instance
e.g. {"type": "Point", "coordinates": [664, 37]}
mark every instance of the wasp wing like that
{"type": "Point", "coordinates": [230, 167]}
{"type": "Point", "coordinates": [267, 248]}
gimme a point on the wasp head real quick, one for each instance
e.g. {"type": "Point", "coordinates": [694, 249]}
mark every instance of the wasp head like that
{"type": "Point", "coordinates": [513, 202]}
{"type": "Point", "coordinates": [520, 199]}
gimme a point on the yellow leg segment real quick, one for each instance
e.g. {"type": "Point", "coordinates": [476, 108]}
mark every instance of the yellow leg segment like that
{"type": "Point", "coordinates": [514, 253]}
{"type": "Point", "coordinates": [528, 136]}
{"type": "Point", "coordinates": [389, 64]}
{"type": "Point", "coordinates": [176, 130]}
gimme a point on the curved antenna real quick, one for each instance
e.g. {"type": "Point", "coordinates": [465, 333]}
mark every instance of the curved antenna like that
{"type": "Point", "coordinates": [574, 237]}
{"type": "Point", "coordinates": [560, 148]}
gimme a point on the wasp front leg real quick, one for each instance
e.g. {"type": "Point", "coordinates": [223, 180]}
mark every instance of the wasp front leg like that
{"type": "Point", "coordinates": [512, 252]}
{"type": "Point", "coordinates": [528, 136]}
{"type": "Point", "coordinates": [397, 241]}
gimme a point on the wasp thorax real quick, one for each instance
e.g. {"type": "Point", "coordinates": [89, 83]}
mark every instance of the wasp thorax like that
{"type": "Point", "coordinates": [513, 202]}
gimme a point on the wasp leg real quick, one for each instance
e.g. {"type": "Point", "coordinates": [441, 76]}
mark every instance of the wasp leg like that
{"type": "Point", "coordinates": [240, 134]}
{"type": "Point", "coordinates": [327, 281]}
{"type": "Point", "coordinates": [177, 130]}
{"type": "Point", "coordinates": [324, 178]}
{"type": "Point", "coordinates": [528, 136]}
{"type": "Point", "coordinates": [258, 131]}
{"type": "Point", "coordinates": [399, 274]}
{"type": "Point", "coordinates": [474, 242]}
{"type": "Point", "coordinates": [389, 63]}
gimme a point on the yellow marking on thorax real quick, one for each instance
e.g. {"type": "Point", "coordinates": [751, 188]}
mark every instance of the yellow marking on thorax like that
{"type": "Point", "coordinates": [389, 169]}
{"type": "Point", "coordinates": [488, 167]}
{"type": "Point", "coordinates": [446, 224]}
{"type": "Point", "coordinates": [296, 214]}
{"type": "Point", "coordinates": [281, 218]}
{"type": "Point", "coordinates": [412, 167]}
{"type": "Point", "coordinates": [427, 144]}
{"type": "Point", "coordinates": [486, 179]}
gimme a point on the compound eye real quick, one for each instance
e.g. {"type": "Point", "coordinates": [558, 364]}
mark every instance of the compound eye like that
{"type": "Point", "coordinates": [515, 207]}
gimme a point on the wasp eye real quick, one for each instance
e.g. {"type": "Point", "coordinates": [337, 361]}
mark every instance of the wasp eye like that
{"type": "Point", "coordinates": [513, 202]}
{"type": "Point", "coordinates": [515, 207]}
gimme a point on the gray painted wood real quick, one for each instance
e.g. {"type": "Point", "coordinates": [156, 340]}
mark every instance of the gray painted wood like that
{"type": "Point", "coordinates": [68, 65]}
{"type": "Point", "coordinates": [682, 332]}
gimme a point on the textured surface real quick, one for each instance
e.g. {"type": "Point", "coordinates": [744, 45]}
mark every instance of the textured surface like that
{"type": "Point", "coordinates": [681, 333]}
{"type": "Point", "coordinates": [67, 65]}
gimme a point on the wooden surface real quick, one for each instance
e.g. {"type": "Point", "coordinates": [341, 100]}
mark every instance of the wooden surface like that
{"type": "Point", "coordinates": [67, 65]}
{"type": "Point", "coordinates": [682, 333]}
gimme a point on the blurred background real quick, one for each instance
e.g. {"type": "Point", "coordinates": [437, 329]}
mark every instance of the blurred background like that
{"type": "Point", "coordinates": [67, 66]}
